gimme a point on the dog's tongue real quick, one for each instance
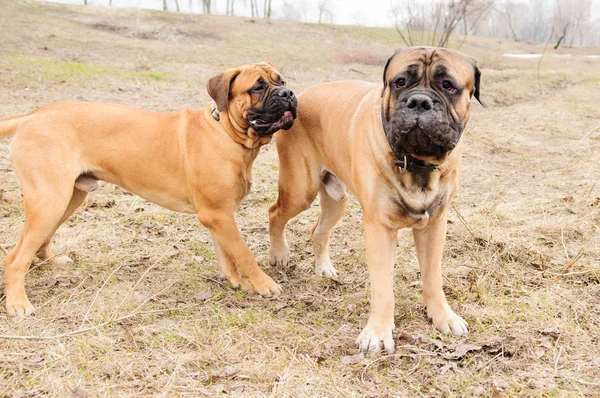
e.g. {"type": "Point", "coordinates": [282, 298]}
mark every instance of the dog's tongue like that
{"type": "Point", "coordinates": [287, 115]}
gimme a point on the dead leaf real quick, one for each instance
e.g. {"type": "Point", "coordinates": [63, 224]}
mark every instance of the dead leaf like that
{"type": "Point", "coordinates": [462, 350]}
{"type": "Point", "coordinates": [79, 393]}
{"type": "Point", "coordinates": [203, 296]}
{"type": "Point", "coordinates": [551, 331]}
{"type": "Point", "coordinates": [173, 252]}
{"type": "Point", "coordinates": [448, 366]}
{"type": "Point", "coordinates": [352, 359]}
{"type": "Point", "coordinates": [500, 384]}
{"type": "Point", "coordinates": [228, 371]}
{"type": "Point", "coordinates": [318, 357]}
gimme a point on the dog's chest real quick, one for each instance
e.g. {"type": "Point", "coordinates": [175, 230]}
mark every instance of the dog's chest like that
{"type": "Point", "coordinates": [415, 209]}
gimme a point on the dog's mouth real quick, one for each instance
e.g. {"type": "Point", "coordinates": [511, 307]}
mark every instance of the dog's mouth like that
{"type": "Point", "coordinates": [427, 134]}
{"type": "Point", "coordinates": [285, 122]}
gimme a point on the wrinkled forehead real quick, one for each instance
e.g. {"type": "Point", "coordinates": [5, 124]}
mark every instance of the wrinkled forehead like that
{"type": "Point", "coordinates": [438, 61]}
{"type": "Point", "coordinates": [252, 73]}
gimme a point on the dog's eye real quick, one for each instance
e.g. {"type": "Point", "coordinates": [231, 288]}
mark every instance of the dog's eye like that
{"type": "Point", "coordinates": [400, 82]}
{"type": "Point", "coordinates": [448, 86]}
{"type": "Point", "coordinates": [258, 87]}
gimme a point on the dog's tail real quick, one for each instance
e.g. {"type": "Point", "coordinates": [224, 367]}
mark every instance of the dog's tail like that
{"type": "Point", "coordinates": [9, 125]}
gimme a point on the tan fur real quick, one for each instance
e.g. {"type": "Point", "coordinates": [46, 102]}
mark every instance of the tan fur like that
{"type": "Point", "coordinates": [339, 129]}
{"type": "Point", "coordinates": [185, 161]}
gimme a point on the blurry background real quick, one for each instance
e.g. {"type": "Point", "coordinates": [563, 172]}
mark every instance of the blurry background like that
{"type": "Point", "coordinates": [576, 21]}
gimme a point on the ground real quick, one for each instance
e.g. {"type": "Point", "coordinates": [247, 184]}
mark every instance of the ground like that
{"type": "Point", "coordinates": [142, 310]}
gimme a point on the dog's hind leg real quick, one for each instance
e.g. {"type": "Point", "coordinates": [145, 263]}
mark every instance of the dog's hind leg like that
{"type": "Point", "coordinates": [333, 197]}
{"type": "Point", "coordinates": [44, 252]}
{"type": "Point", "coordinates": [43, 212]}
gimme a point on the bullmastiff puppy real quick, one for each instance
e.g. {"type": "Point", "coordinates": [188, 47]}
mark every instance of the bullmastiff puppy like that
{"type": "Point", "coordinates": [395, 147]}
{"type": "Point", "coordinates": [192, 161]}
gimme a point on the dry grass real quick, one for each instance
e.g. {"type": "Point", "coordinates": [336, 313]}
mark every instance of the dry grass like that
{"type": "Point", "coordinates": [142, 311]}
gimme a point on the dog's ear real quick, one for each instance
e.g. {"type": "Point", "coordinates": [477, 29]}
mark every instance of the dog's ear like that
{"type": "Point", "coordinates": [477, 77]}
{"type": "Point", "coordinates": [387, 64]}
{"type": "Point", "coordinates": [218, 87]}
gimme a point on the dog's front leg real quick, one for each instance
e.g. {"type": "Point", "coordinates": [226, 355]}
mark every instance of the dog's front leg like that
{"type": "Point", "coordinates": [381, 249]}
{"type": "Point", "coordinates": [430, 245]}
{"type": "Point", "coordinates": [222, 227]}
{"type": "Point", "coordinates": [228, 268]}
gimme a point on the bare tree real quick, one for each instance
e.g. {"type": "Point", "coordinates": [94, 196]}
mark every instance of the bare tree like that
{"type": "Point", "coordinates": [541, 20]}
{"type": "Point", "coordinates": [324, 11]}
{"type": "Point", "coordinates": [562, 36]}
{"type": "Point", "coordinates": [508, 10]}
{"type": "Point", "coordinates": [165, 8]}
{"type": "Point", "coordinates": [268, 13]}
{"type": "Point", "coordinates": [206, 6]}
{"type": "Point", "coordinates": [433, 22]}
{"type": "Point", "coordinates": [229, 10]}
{"type": "Point", "coordinates": [254, 8]}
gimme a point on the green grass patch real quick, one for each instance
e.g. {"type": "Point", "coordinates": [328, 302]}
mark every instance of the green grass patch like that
{"type": "Point", "coordinates": [61, 70]}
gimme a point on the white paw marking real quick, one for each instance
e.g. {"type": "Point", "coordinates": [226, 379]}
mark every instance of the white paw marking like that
{"type": "Point", "coordinates": [325, 269]}
{"type": "Point", "coordinates": [372, 341]}
{"type": "Point", "coordinates": [279, 257]}
{"type": "Point", "coordinates": [450, 323]}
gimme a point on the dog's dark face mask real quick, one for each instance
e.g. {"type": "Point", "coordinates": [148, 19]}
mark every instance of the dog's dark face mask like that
{"type": "Point", "coordinates": [275, 109]}
{"type": "Point", "coordinates": [426, 101]}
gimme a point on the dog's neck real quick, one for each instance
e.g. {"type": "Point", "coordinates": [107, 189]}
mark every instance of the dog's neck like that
{"type": "Point", "coordinates": [246, 137]}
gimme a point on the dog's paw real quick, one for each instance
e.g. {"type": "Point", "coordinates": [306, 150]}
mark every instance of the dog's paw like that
{"type": "Point", "coordinates": [60, 260]}
{"type": "Point", "coordinates": [325, 269]}
{"type": "Point", "coordinates": [19, 308]}
{"type": "Point", "coordinates": [279, 257]}
{"type": "Point", "coordinates": [446, 321]}
{"type": "Point", "coordinates": [266, 287]}
{"type": "Point", "coordinates": [374, 338]}
{"type": "Point", "coordinates": [240, 283]}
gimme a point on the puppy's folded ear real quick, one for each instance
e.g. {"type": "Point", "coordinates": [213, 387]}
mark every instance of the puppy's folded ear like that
{"type": "Point", "coordinates": [218, 87]}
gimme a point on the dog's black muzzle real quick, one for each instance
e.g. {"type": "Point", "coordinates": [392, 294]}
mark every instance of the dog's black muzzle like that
{"type": "Point", "coordinates": [421, 124]}
{"type": "Point", "coordinates": [279, 112]}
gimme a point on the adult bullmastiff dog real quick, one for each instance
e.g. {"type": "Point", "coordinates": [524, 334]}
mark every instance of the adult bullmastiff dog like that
{"type": "Point", "coordinates": [397, 148]}
{"type": "Point", "coordinates": [192, 161]}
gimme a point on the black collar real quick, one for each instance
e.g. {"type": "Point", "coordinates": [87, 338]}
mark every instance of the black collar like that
{"type": "Point", "coordinates": [407, 162]}
{"type": "Point", "coordinates": [214, 111]}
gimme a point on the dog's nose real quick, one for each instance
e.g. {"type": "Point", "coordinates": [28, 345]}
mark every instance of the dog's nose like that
{"type": "Point", "coordinates": [285, 93]}
{"type": "Point", "coordinates": [419, 102]}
